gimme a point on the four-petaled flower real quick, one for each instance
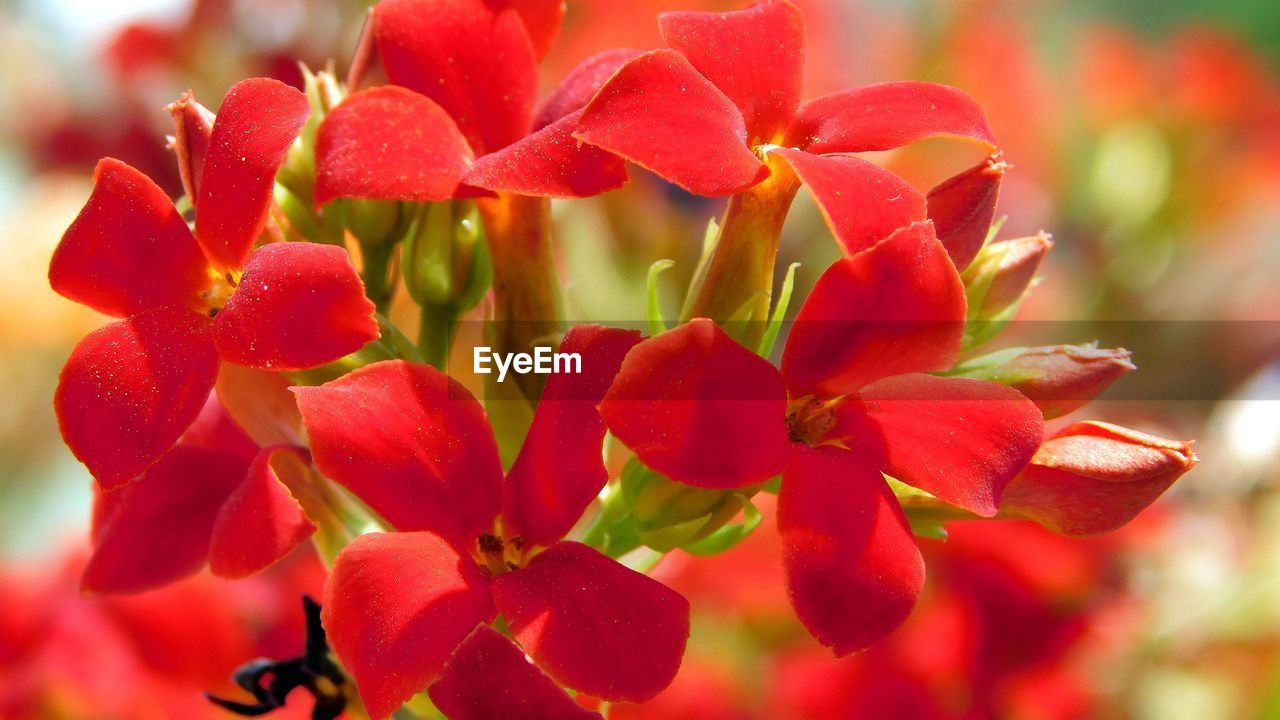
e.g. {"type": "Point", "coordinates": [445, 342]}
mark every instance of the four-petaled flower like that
{"type": "Point", "coordinates": [853, 400]}
{"type": "Point", "coordinates": [715, 111]}
{"type": "Point", "coordinates": [189, 301]}
{"type": "Point", "coordinates": [418, 449]}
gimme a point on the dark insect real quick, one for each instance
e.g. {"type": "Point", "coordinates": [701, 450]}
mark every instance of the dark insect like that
{"type": "Point", "coordinates": [271, 681]}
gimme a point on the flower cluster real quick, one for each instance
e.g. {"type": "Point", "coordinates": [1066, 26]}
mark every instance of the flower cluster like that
{"type": "Point", "coordinates": [486, 559]}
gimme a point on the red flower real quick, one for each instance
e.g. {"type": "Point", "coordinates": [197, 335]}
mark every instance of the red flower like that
{"type": "Point", "coordinates": [131, 388]}
{"type": "Point", "coordinates": [461, 109]}
{"type": "Point", "coordinates": [213, 499]}
{"type": "Point", "coordinates": [851, 401]}
{"type": "Point", "coordinates": [712, 111]}
{"type": "Point", "coordinates": [418, 449]}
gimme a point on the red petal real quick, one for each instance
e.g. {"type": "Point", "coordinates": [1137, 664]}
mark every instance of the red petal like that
{"type": "Point", "coordinates": [473, 57]}
{"type": "Point", "coordinates": [128, 250]}
{"type": "Point", "coordinates": [259, 523]}
{"type": "Point", "coordinates": [542, 20]}
{"type": "Point", "coordinates": [886, 116]}
{"type": "Point", "coordinates": [695, 405]}
{"type": "Point", "coordinates": [550, 163]}
{"type": "Point", "coordinates": [298, 305]}
{"type": "Point", "coordinates": [853, 568]}
{"type": "Point", "coordinates": [1094, 477]}
{"type": "Point", "coordinates": [389, 143]}
{"type": "Point", "coordinates": [960, 440]}
{"type": "Point", "coordinates": [595, 625]}
{"type": "Point", "coordinates": [658, 112]}
{"type": "Point", "coordinates": [157, 529]}
{"type": "Point", "coordinates": [755, 56]}
{"type": "Point", "coordinates": [560, 468]}
{"type": "Point", "coordinates": [396, 606]}
{"type": "Point", "coordinates": [863, 203]}
{"type": "Point", "coordinates": [215, 429]}
{"type": "Point", "coordinates": [258, 120]}
{"type": "Point", "coordinates": [412, 443]}
{"type": "Point", "coordinates": [963, 206]}
{"type": "Point", "coordinates": [895, 308]}
{"type": "Point", "coordinates": [260, 402]}
{"type": "Point", "coordinates": [489, 678]}
{"type": "Point", "coordinates": [130, 389]}
{"type": "Point", "coordinates": [581, 83]}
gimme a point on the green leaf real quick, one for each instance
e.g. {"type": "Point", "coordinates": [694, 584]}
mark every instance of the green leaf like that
{"type": "Point", "coordinates": [657, 324]}
{"type": "Point", "coordinates": [779, 313]}
{"type": "Point", "coordinates": [729, 535]}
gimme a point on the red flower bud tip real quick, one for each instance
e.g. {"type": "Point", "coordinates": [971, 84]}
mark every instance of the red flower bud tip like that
{"type": "Point", "coordinates": [963, 206]}
{"type": "Point", "coordinates": [1002, 274]}
{"type": "Point", "coordinates": [192, 126]}
{"type": "Point", "coordinates": [1057, 378]}
{"type": "Point", "coordinates": [1094, 477]}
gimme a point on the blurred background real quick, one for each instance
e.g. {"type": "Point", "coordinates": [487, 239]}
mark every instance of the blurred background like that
{"type": "Point", "coordinates": [1145, 137]}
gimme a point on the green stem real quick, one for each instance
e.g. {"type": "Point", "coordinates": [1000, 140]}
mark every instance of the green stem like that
{"type": "Point", "coordinates": [613, 507]}
{"type": "Point", "coordinates": [377, 264]}
{"type": "Point", "coordinates": [436, 327]}
{"type": "Point", "coordinates": [735, 281]}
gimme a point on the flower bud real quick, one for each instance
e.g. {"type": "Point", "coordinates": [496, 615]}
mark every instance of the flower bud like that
{"type": "Point", "coordinates": [1094, 477]}
{"type": "Point", "coordinates": [364, 56]}
{"type": "Point", "coordinates": [997, 280]}
{"type": "Point", "coordinates": [669, 515]}
{"type": "Point", "coordinates": [375, 222]}
{"type": "Point", "coordinates": [444, 258]}
{"type": "Point", "coordinates": [192, 127]}
{"type": "Point", "coordinates": [1057, 378]}
{"type": "Point", "coordinates": [963, 207]}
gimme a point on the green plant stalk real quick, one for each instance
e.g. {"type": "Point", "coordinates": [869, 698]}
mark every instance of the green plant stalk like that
{"type": "Point", "coordinates": [737, 275]}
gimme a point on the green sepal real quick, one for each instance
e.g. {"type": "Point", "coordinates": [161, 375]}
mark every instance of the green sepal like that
{"type": "Point", "coordinates": [709, 241]}
{"type": "Point", "coordinates": [729, 535]}
{"type": "Point", "coordinates": [657, 324]}
{"type": "Point", "coordinates": [779, 313]}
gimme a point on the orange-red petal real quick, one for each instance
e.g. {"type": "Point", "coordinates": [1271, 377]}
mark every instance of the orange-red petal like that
{"type": "Point", "coordinates": [411, 443]}
{"type": "Point", "coordinates": [658, 112]}
{"type": "Point", "coordinates": [128, 250]}
{"type": "Point", "coordinates": [298, 305]}
{"type": "Point", "coordinates": [256, 124]}
{"type": "Point", "coordinates": [489, 678]}
{"type": "Point", "coordinates": [853, 568]}
{"type": "Point", "coordinates": [560, 468]}
{"type": "Point", "coordinates": [595, 625]}
{"type": "Point", "coordinates": [131, 388]}
{"type": "Point", "coordinates": [389, 143]}
{"type": "Point", "coordinates": [396, 607]}
{"type": "Point", "coordinates": [895, 308]}
{"type": "Point", "coordinates": [702, 409]}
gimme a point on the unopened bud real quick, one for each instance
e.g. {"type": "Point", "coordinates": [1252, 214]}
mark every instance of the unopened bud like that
{"type": "Point", "coordinates": [996, 282]}
{"type": "Point", "coordinates": [192, 127]}
{"type": "Point", "coordinates": [1094, 477]}
{"type": "Point", "coordinates": [669, 515]}
{"type": "Point", "coordinates": [375, 222]}
{"type": "Point", "coordinates": [962, 208]}
{"type": "Point", "coordinates": [1057, 378]}
{"type": "Point", "coordinates": [364, 56]}
{"type": "Point", "coordinates": [444, 259]}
